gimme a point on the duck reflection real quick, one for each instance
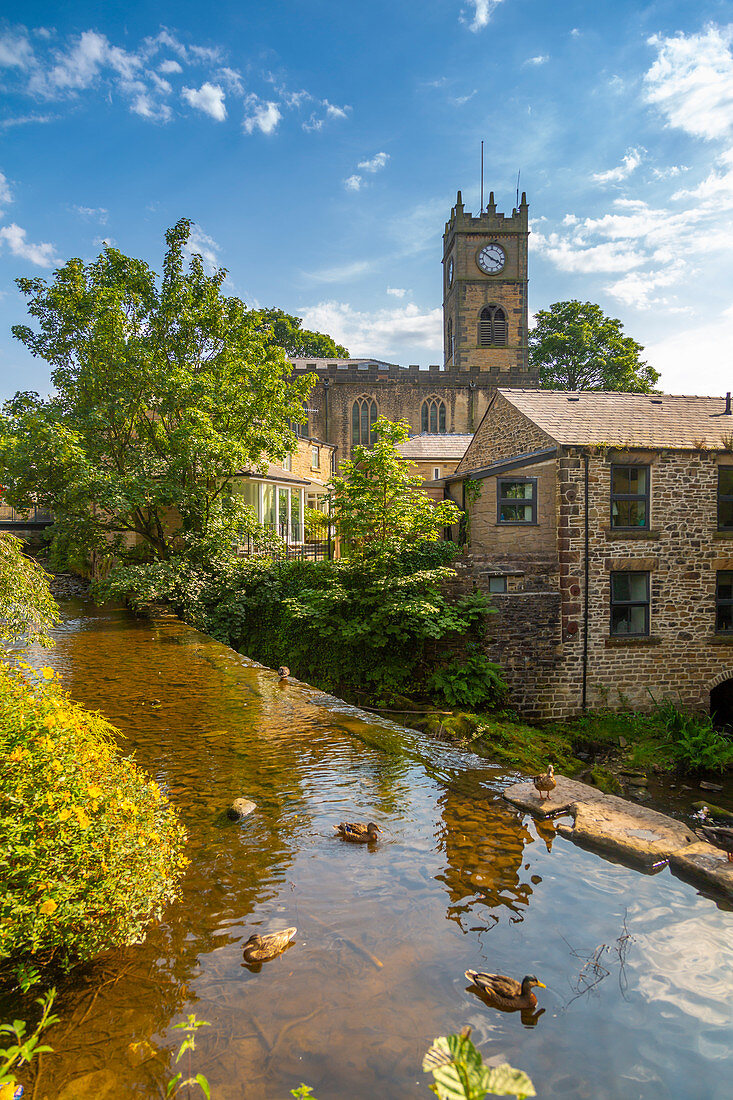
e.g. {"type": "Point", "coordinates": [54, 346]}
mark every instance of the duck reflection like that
{"type": "Point", "coordinates": [528, 1016]}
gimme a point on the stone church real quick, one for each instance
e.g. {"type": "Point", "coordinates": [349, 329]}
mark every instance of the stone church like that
{"type": "Point", "coordinates": [485, 331]}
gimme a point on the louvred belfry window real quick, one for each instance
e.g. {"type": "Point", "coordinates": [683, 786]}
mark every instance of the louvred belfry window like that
{"type": "Point", "coordinates": [492, 328]}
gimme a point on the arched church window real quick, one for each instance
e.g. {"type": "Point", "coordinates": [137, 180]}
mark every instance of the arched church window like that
{"type": "Point", "coordinates": [433, 416]}
{"type": "Point", "coordinates": [364, 414]}
{"type": "Point", "coordinates": [492, 327]}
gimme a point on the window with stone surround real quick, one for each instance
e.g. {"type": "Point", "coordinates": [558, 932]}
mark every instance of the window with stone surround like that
{"type": "Point", "coordinates": [629, 496]}
{"type": "Point", "coordinates": [449, 338]}
{"type": "Point", "coordinates": [725, 498]}
{"type": "Point", "coordinates": [629, 604]}
{"type": "Point", "coordinates": [516, 500]}
{"type": "Point", "coordinates": [433, 416]}
{"type": "Point", "coordinates": [315, 458]}
{"type": "Point", "coordinates": [364, 414]}
{"type": "Point", "coordinates": [724, 602]}
{"type": "Point", "coordinates": [497, 584]}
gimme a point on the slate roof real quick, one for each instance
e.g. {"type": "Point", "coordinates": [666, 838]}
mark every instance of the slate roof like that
{"type": "Point", "coordinates": [447, 445]}
{"type": "Point", "coordinates": [625, 419]}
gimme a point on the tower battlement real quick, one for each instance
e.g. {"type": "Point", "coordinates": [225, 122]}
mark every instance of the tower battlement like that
{"type": "Point", "coordinates": [488, 220]}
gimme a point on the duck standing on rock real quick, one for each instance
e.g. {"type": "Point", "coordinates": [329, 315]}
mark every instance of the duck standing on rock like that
{"type": "Point", "coordinates": [720, 837]}
{"type": "Point", "coordinates": [283, 673]}
{"type": "Point", "coordinates": [503, 992]}
{"type": "Point", "coordinates": [258, 948]}
{"type": "Point", "coordinates": [355, 830]}
{"type": "Point", "coordinates": [545, 783]}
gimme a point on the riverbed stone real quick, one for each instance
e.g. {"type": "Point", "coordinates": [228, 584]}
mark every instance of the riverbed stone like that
{"type": "Point", "coordinates": [239, 808]}
{"type": "Point", "coordinates": [702, 861]}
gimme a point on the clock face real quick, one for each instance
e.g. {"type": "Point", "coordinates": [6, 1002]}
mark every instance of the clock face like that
{"type": "Point", "coordinates": [491, 259]}
{"type": "Point", "coordinates": [450, 271]}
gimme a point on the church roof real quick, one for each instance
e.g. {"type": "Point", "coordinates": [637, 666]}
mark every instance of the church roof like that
{"type": "Point", "coordinates": [625, 419]}
{"type": "Point", "coordinates": [447, 445]}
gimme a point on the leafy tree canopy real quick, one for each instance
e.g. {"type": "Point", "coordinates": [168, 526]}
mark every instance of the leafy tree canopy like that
{"type": "Point", "coordinates": [165, 389]}
{"type": "Point", "coordinates": [287, 332]}
{"type": "Point", "coordinates": [27, 608]}
{"type": "Point", "coordinates": [575, 346]}
{"type": "Point", "coordinates": [378, 504]}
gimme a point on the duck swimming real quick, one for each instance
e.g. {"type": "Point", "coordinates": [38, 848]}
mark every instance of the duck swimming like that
{"type": "Point", "coordinates": [503, 992]}
{"type": "Point", "coordinates": [258, 948]}
{"type": "Point", "coordinates": [355, 830]}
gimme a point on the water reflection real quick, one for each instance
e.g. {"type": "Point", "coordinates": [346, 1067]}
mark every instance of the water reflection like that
{"type": "Point", "coordinates": [458, 880]}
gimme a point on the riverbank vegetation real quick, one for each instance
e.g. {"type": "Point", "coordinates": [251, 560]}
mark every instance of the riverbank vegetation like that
{"type": "Point", "coordinates": [90, 849]}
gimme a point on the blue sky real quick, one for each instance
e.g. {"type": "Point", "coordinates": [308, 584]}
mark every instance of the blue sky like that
{"type": "Point", "coordinates": [318, 147]}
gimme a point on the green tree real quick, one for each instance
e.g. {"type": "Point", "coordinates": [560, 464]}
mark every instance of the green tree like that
{"type": "Point", "coordinates": [287, 333]}
{"type": "Point", "coordinates": [165, 389]}
{"type": "Point", "coordinates": [575, 346]}
{"type": "Point", "coordinates": [27, 608]}
{"type": "Point", "coordinates": [378, 504]}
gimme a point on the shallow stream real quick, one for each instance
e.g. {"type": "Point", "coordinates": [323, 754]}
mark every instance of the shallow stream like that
{"type": "Point", "coordinates": [459, 879]}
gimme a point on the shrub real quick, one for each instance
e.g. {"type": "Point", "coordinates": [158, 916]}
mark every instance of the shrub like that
{"type": "Point", "coordinates": [470, 681]}
{"type": "Point", "coordinates": [695, 742]}
{"type": "Point", "coordinates": [90, 849]}
{"type": "Point", "coordinates": [372, 623]}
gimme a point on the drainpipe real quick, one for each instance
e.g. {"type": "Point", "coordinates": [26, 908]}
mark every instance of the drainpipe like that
{"type": "Point", "coordinates": [325, 409]}
{"type": "Point", "coordinates": [586, 585]}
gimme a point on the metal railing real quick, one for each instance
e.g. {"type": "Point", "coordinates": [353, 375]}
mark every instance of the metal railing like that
{"type": "Point", "coordinates": [309, 550]}
{"type": "Point", "coordinates": [27, 518]}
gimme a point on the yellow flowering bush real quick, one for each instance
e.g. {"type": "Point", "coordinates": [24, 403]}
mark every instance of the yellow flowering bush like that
{"type": "Point", "coordinates": [90, 849]}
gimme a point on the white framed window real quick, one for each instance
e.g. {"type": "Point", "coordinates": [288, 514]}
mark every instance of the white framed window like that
{"type": "Point", "coordinates": [315, 458]}
{"type": "Point", "coordinates": [288, 462]}
{"type": "Point", "coordinates": [436, 472]}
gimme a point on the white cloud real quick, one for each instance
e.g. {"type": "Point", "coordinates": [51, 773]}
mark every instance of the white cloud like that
{"type": "Point", "coordinates": [691, 81]}
{"type": "Point", "coordinates": [43, 255]}
{"type": "Point", "coordinates": [383, 332]}
{"type": "Point", "coordinates": [575, 254]}
{"type": "Point", "coordinates": [232, 78]}
{"type": "Point", "coordinates": [6, 195]}
{"type": "Point", "coordinates": [333, 111]}
{"type": "Point", "coordinates": [396, 292]}
{"type": "Point", "coordinates": [629, 164]}
{"type": "Point", "coordinates": [540, 59]}
{"type": "Point", "coordinates": [679, 356]}
{"type": "Point", "coordinates": [16, 51]}
{"type": "Point", "coordinates": [204, 246]}
{"type": "Point", "coordinates": [459, 100]}
{"type": "Point", "coordinates": [93, 213]}
{"type": "Point", "coordinates": [375, 163]}
{"type": "Point", "coordinates": [170, 66]}
{"type": "Point", "coordinates": [353, 183]}
{"type": "Point", "coordinates": [264, 115]}
{"type": "Point", "coordinates": [23, 120]}
{"type": "Point", "coordinates": [149, 108]}
{"type": "Point", "coordinates": [342, 273]}
{"type": "Point", "coordinates": [482, 10]}
{"type": "Point", "coordinates": [209, 98]}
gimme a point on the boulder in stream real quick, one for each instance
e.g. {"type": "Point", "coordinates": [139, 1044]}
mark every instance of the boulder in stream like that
{"type": "Point", "coordinates": [240, 808]}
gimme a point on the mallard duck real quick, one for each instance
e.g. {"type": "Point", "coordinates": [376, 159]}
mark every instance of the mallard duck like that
{"type": "Point", "coordinates": [545, 783]}
{"type": "Point", "coordinates": [721, 837]}
{"type": "Point", "coordinates": [258, 948]}
{"type": "Point", "coordinates": [355, 830]}
{"type": "Point", "coordinates": [283, 672]}
{"type": "Point", "coordinates": [505, 992]}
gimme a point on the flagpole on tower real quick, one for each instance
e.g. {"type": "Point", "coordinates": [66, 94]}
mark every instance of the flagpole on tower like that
{"type": "Point", "coordinates": [482, 179]}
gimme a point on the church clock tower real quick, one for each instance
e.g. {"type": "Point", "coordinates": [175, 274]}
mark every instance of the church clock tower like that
{"type": "Point", "coordinates": [485, 317]}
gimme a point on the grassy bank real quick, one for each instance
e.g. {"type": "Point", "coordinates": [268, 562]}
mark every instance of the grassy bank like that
{"type": "Point", "coordinates": [599, 745]}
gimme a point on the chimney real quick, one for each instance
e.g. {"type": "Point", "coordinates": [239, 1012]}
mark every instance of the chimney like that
{"type": "Point", "coordinates": [728, 409]}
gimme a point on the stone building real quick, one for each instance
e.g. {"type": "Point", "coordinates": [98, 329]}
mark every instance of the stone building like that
{"type": "Point", "coordinates": [601, 526]}
{"type": "Point", "coordinates": [485, 331]}
{"type": "Point", "coordinates": [433, 457]}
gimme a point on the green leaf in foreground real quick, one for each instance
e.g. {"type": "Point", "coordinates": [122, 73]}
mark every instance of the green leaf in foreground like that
{"type": "Point", "coordinates": [460, 1073]}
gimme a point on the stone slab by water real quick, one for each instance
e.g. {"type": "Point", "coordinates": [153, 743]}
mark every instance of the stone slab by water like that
{"type": "Point", "coordinates": [631, 833]}
{"type": "Point", "coordinates": [702, 862]}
